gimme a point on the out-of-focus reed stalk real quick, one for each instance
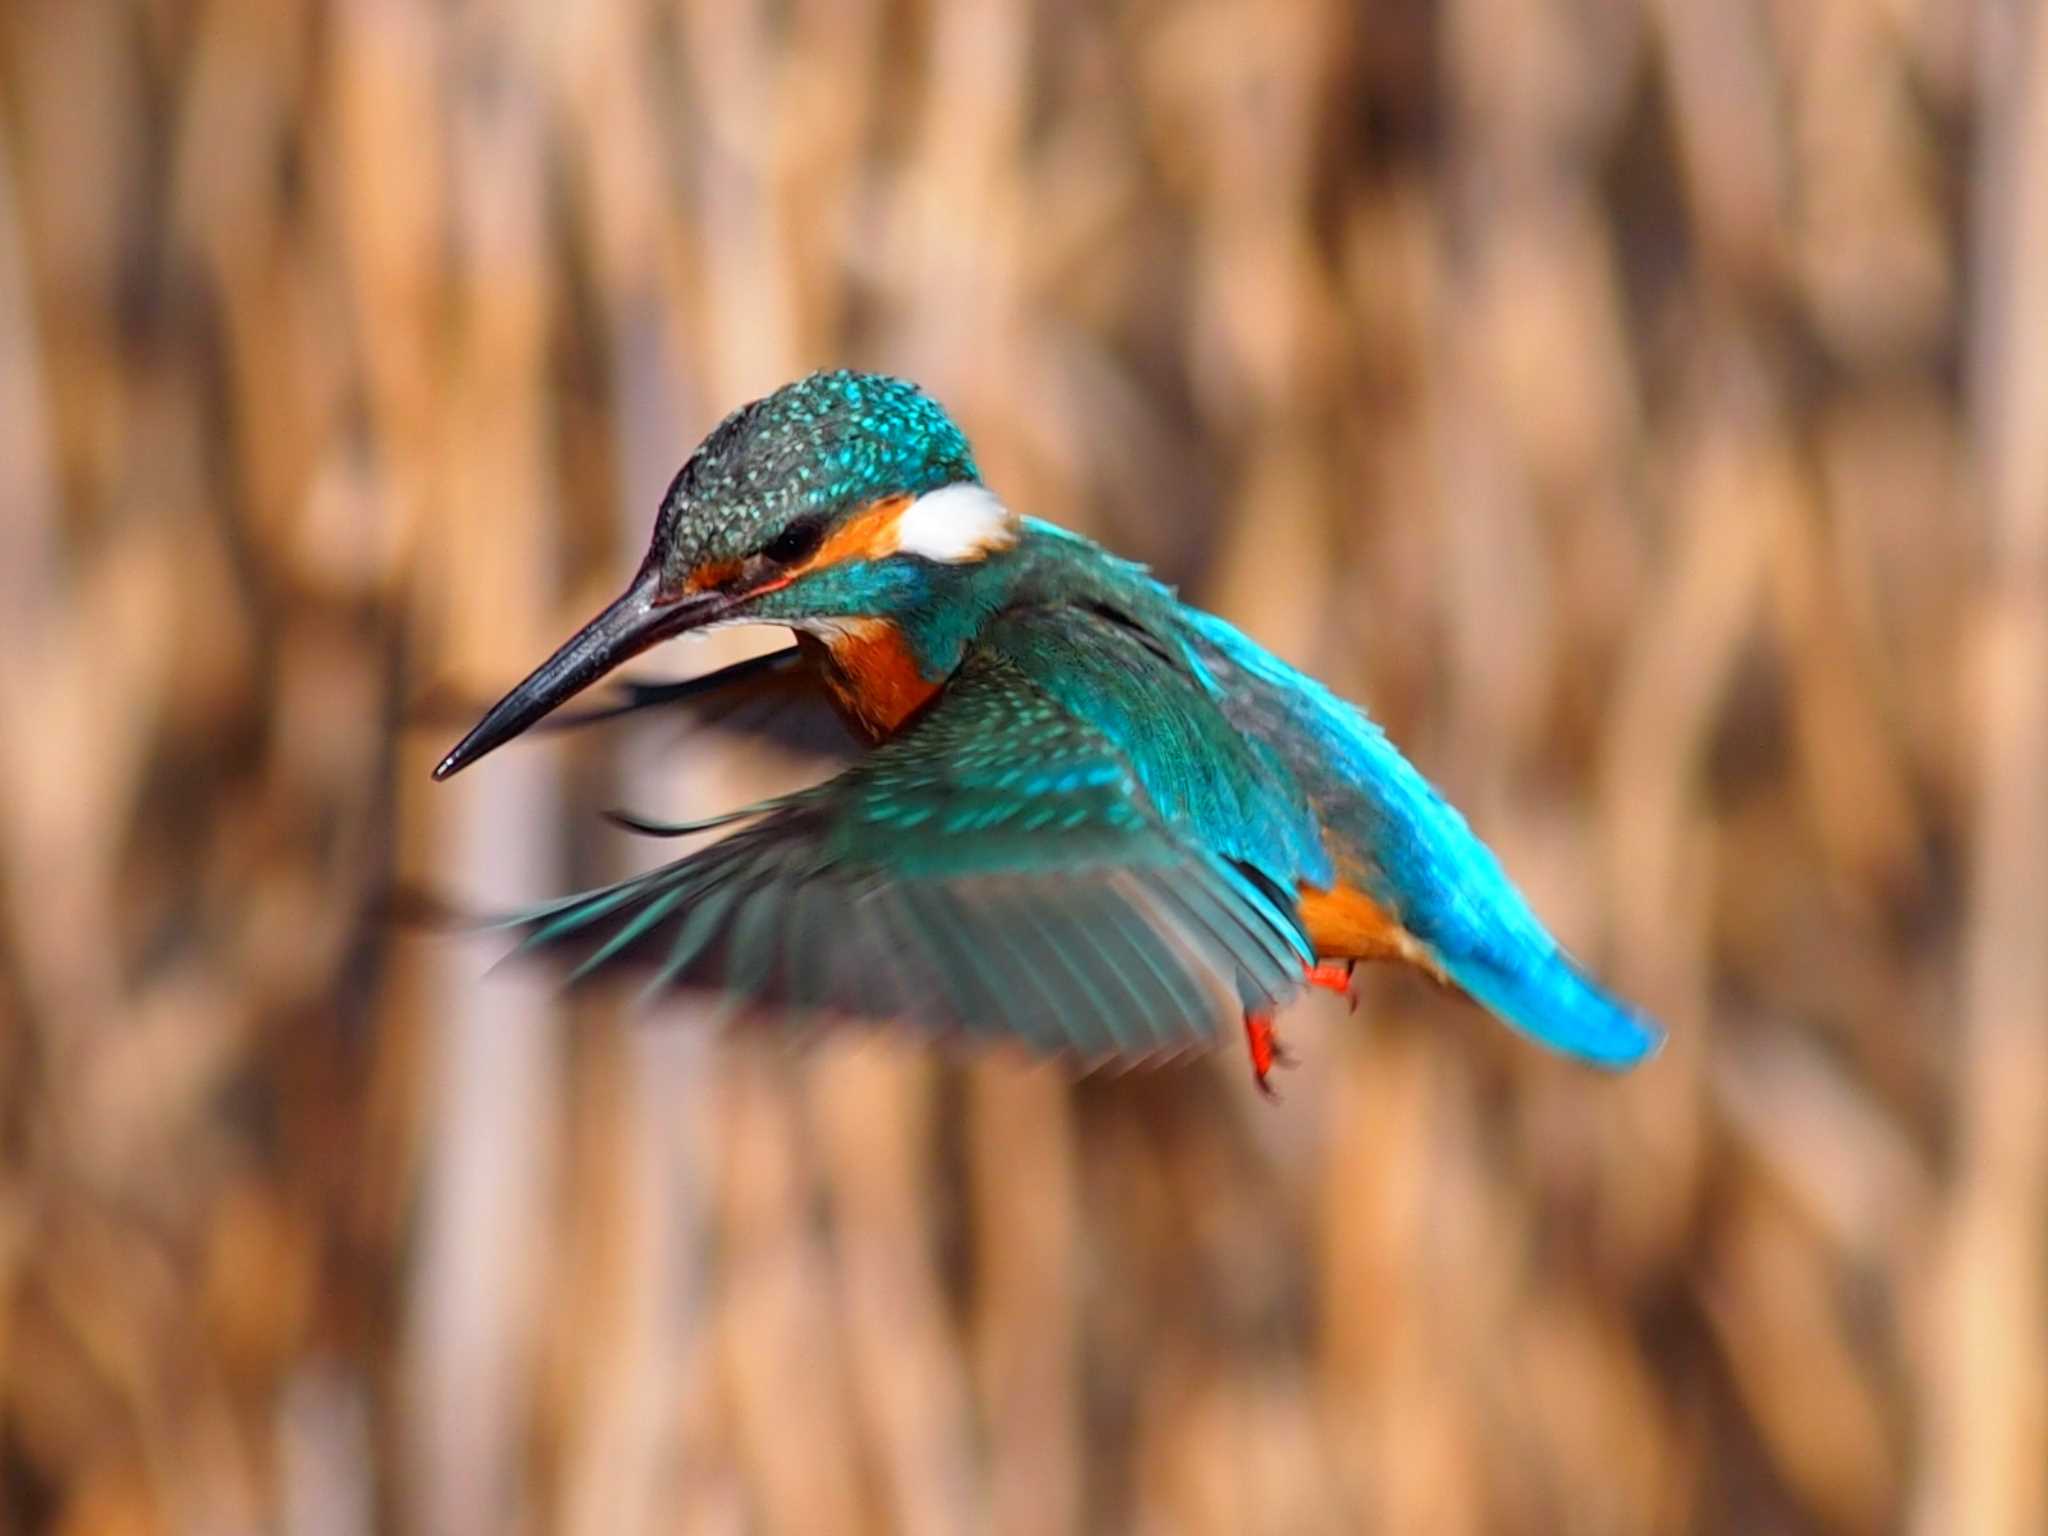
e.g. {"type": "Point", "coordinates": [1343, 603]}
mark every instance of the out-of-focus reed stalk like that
{"type": "Point", "coordinates": [1988, 1411]}
{"type": "Point", "coordinates": [1636, 405]}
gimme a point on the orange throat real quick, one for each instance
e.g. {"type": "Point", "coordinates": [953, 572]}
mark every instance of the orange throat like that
{"type": "Point", "coordinates": [873, 678]}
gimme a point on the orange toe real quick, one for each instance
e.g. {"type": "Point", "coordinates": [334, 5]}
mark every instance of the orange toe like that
{"type": "Point", "coordinates": [1266, 1051]}
{"type": "Point", "coordinates": [1331, 975]}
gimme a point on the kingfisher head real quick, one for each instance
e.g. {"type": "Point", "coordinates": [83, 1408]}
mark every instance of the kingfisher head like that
{"type": "Point", "coordinates": [842, 496]}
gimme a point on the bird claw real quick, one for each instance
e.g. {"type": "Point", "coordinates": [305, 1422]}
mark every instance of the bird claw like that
{"type": "Point", "coordinates": [1266, 1052]}
{"type": "Point", "coordinates": [1333, 976]}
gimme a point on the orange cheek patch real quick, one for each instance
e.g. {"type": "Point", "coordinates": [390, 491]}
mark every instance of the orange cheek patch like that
{"type": "Point", "coordinates": [869, 534]}
{"type": "Point", "coordinates": [714, 573]}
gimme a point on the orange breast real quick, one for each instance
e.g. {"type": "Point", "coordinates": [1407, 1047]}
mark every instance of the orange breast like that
{"type": "Point", "coordinates": [873, 678]}
{"type": "Point", "coordinates": [1346, 924]}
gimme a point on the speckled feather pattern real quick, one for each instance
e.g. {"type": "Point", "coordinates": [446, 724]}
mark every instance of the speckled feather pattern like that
{"type": "Point", "coordinates": [829, 441]}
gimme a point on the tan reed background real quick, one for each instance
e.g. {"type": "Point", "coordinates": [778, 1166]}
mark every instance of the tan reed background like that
{"type": "Point", "coordinates": [1639, 404]}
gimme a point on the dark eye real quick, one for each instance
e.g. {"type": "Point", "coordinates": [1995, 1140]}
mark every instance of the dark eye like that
{"type": "Point", "coordinates": [795, 542]}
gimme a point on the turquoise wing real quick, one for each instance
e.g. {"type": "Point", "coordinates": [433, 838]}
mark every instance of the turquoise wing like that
{"type": "Point", "coordinates": [997, 869]}
{"type": "Point", "coordinates": [773, 698]}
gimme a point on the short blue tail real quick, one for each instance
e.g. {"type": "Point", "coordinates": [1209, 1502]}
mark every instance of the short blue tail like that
{"type": "Point", "coordinates": [1552, 1001]}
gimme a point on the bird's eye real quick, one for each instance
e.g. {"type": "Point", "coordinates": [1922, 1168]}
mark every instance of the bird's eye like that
{"type": "Point", "coordinates": [796, 541]}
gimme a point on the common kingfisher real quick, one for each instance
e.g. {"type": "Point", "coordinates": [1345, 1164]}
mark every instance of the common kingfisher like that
{"type": "Point", "coordinates": [1083, 815]}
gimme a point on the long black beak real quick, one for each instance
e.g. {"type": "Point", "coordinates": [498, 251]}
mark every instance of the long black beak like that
{"type": "Point", "coordinates": [641, 617]}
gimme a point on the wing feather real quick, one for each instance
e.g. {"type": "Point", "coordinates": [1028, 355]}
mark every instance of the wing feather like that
{"type": "Point", "coordinates": [997, 870]}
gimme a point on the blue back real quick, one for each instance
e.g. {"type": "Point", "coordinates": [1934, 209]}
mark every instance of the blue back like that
{"type": "Point", "coordinates": [1415, 855]}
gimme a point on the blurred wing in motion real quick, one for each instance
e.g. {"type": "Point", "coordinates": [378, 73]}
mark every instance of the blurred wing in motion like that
{"type": "Point", "coordinates": [773, 698]}
{"type": "Point", "coordinates": [996, 870]}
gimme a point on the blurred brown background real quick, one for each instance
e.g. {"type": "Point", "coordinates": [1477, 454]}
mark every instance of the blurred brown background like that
{"type": "Point", "coordinates": [1639, 403]}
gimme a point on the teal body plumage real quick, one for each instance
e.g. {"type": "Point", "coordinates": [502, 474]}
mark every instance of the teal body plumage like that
{"type": "Point", "coordinates": [1092, 818]}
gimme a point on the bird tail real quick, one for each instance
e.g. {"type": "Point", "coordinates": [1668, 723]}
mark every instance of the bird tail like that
{"type": "Point", "coordinates": [1552, 1001]}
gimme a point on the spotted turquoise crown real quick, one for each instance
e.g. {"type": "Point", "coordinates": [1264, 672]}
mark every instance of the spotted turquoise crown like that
{"type": "Point", "coordinates": [825, 443]}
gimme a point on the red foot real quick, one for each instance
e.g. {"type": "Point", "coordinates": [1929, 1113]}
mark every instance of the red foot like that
{"type": "Point", "coordinates": [1333, 976]}
{"type": "Point", "coordinates": [1266, 1051]}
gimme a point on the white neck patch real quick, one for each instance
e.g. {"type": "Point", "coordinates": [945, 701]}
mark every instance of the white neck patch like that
{"type": "Point", "coordinates": [956, 524]}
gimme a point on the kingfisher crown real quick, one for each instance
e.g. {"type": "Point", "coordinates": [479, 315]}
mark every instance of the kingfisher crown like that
{"type": "Point", "coordinates": [798, 458]}
{"type": "Point", "coordinates": [842, 496]}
